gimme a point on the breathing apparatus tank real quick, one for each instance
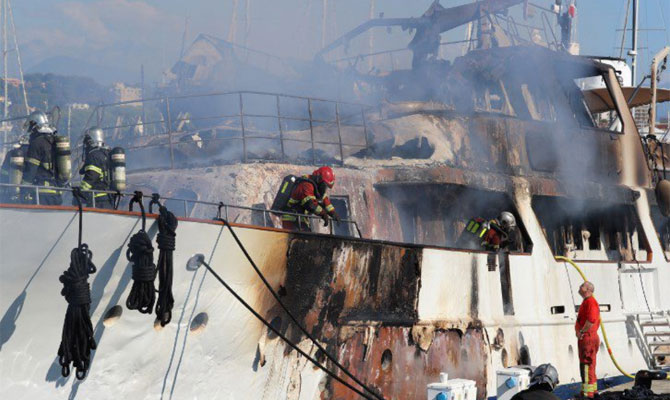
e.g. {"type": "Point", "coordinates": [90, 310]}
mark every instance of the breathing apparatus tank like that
{"type": "Point", "coordinates": [16, 161]}
{"type": "Point", "coordinates": [63, 162]}
{"type": "Point", "coordinates": [118, 169]}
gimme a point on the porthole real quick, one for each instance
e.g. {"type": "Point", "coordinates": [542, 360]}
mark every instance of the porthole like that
{"type": "Point", "coordinates": [199, 323]}
{"type": "Point", "coordinates": [112, 316]}
{"type": "Point", "coordinates": [387, 359]}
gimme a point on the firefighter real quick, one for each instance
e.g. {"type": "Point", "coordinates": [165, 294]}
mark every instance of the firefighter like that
{"type": "Point", "coordinates": [12, 170]}
{"type": "Point", "coordinates": [542, 383]}
{"type": "Point", "coordinates": [309, 197]}
{"type": "Point", "coordinates": [586, 330]}
{"type": "Point", "coordinates": [96, 170]}
{"type": "Point", "coordinates": [39, 167]}
{"type": "Point", "coordinates": [496, 234]}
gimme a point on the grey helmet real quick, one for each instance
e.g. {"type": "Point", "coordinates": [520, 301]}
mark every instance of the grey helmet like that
{"type": "Point", "coordinates": [545, 373]}
{"type": "Point", "coordinates": [507, 220]}
{"type": "Point", "coordinates": [94, 137]}
{"type": "Point", "coordinates": [38, 121]}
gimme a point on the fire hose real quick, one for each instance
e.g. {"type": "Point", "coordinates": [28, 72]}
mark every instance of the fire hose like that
{"type": "Point", "coordinates": [602, 326]}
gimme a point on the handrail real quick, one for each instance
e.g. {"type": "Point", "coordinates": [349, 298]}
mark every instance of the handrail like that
{"type": "Point", "coordinates": [185, 202]}
{"type": "Point", "coordinates": [331, 118]}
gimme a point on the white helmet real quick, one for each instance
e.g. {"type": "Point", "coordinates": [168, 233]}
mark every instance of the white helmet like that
{"type": "Point", "coordinates": [38, 121]}
{"type": "Point", "coordinates": [94, 137]}
{"type": "Point", "coordinates": [507, 220]}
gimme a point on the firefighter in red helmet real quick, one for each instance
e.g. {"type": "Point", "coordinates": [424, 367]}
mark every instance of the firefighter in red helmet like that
{"type": "Point", "coordinates": [309, 197]}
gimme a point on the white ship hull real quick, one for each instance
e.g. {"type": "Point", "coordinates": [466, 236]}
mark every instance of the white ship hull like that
{"type": "Point", "coordinates": [456, 293]}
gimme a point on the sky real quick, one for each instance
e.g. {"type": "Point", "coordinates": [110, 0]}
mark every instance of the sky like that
{"type": "Point", "coordinates": [124, 34]}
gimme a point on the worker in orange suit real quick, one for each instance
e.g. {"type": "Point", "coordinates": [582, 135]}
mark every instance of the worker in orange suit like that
{"type": "Point", "coordinates": [586, 329]}
{"type": "Point", "coordinates": [309, 197]}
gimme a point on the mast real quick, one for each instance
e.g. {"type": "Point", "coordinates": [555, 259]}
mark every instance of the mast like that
{"type": "Point", "coordinates": [247, 21]}
{"type": "Point", "coordinates": [371, 38]}
{"type": "Point", "coordinates": [4, 56]}
{"type": "Point", "coordinates": [324, 18]}
{"type": "Point", "coordinates": [633, 51]}
{"type": "Point", "coordinates": [233, 23]}
{"type": "Point", "coordinates": [18, 55]}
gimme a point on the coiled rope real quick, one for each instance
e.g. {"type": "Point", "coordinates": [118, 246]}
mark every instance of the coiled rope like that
{"type": "Point", "coordinates": [141, 253]}
{"type": "Point", "coordinates": [167, 226]}
{"type": "Point", "coordinates": [293, 318]}
{"type": "Point", "coordinates": [77, 339]}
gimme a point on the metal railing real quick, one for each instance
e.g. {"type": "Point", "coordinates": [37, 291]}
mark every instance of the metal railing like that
{"type": "Point", "coordinates": [223, 210]}
{"type": "Point", "coordinates": [241, 126]}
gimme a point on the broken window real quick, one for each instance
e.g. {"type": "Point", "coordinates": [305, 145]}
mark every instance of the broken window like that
{"type": "Point", "coordinates": [590, 229]}
{"type": "Point", "coordinates": [439, 215]}
{"type": "Point", "coordinates": [490, 96]}
{"type": "Point", "coordinates": [539, 102]}
{"type": "Point", "coordinates": [341, 204]}
{"type": "Point", "coordinates": [594, 105]}
{"type": "Point", "coordinates": [661, 225]}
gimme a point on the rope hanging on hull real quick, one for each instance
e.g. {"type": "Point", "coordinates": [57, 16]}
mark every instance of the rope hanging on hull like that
{"type": "Point", "coordinates": [141, 253]}
{"type": "Point", "coordinates": [374, 394]}
{"type": "Point", "coordinates": [167, 226]}
{"type": "Point", "coordinates": [77, 339]}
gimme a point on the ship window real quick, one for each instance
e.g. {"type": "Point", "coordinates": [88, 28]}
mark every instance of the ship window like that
{"type": "Point", "coordinates": [661, 225]}
{"type": "Point", "coordinates": [539, 104]}
{"type": "Point", "coordinates": [591, 230]}
{"type": "Point", "coordinates": [592, 103]}
{"type": "Point", "coordinates": [490, 96]}
{"type": "Point", "coordinates": [437, 214]}
{"type": "Point", "coordinates": [341, 204]}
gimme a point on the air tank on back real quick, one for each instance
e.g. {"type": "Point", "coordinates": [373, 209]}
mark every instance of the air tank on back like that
{"type": "Point", "coordinates": [118, 159]}
{"type": "Point", "coordinates": [63, 162]}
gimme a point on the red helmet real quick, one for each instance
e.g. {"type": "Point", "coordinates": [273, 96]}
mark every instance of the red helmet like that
{"type": "Point", "coordinates": [326, 174]}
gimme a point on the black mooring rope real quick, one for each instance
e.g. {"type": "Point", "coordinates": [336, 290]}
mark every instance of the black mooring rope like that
{"type": "Point", "coordinates": [77, 339]}
{"type": "Point", "coordinates": [167, 226]}
{"type": "Point", "coordinates": [285, 339]}
{"type": "Point", "coordinates": [141, 253]}
{"type": "Point", "coordinates": [293, 318]}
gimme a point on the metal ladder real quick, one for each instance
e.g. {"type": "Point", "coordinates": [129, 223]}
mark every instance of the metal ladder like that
{"type": "Point", "coordinates": [656, 335]}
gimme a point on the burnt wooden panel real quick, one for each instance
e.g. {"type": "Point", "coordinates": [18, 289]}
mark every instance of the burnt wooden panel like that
{"type": "Point", "coordinates": [330, 281]}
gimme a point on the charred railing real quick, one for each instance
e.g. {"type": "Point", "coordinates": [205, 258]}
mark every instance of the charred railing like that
{"type": "Point", "coordinates": [227, 127]}
{"type": "Point", "coordinates": [183, 207]}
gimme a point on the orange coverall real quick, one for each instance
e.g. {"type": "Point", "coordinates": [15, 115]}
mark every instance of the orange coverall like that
{"type": "Point", "coordinates": [588, 344]}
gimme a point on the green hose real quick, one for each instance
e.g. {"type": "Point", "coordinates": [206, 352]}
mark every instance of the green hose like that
{"type": "Point", "coordinates": [602, 326]}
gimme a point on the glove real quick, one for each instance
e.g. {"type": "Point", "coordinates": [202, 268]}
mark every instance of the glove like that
{"type": "Point", "coordinates": [27, 196]}
{"type": "Point", "coordinates": [324, 217]}
{"type": "Point", "coordinates": [334, 216]}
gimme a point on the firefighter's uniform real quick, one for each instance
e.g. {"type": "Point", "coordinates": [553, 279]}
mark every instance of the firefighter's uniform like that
{"type": "Point", "coordinates": [39, 170]}
{"type": "Point", "coordinates": [588, 344]}
{"type": "Point", "coordinates": [304, 201]}
{"type": "Point", "coordinates": [96, 177]}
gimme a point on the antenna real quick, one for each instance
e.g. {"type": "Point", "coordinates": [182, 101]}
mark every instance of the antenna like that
{"type": "Point", "coordinates": [633, 51]}
{"type": "Point", "coordinates": [4, 56]}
